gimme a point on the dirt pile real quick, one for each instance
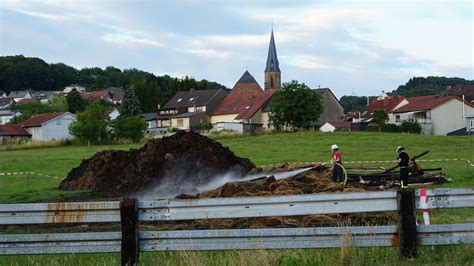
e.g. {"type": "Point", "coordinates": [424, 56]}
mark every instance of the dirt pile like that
{"type": "Point", "coordinates": [317, 180]}
{"type": "Point", "coordinates": [180, 162]}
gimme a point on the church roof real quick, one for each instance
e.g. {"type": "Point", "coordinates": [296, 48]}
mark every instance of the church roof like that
{"type": "Point", "coordinates": [272, 60]}
{"type": "Point", "coordinates": [247, 78]}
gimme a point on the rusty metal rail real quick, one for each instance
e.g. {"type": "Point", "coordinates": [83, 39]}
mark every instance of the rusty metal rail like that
{"type": "Point", "coordinates": [269, 238]}
{"type": "Point", "coordinates": [60, 212]}
{"type": "Point", "coordinates": [171, 209]}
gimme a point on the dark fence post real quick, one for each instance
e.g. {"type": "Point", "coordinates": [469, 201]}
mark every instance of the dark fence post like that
{"type": "Point", "coordinates": [407, 223]}
{"type": "Point", "coordinates": [129, 220]}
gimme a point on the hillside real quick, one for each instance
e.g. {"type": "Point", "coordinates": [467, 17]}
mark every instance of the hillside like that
{"type": "Point", "coordinates": [19, 72]}
{"type": "Point", "coordinates": [419, 86]}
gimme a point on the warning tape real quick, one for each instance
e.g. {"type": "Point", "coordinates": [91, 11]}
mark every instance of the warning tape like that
{"type": "Point", "coordinates": [28, 173]}
{"type": "Point", "coordinates": [377, 161]}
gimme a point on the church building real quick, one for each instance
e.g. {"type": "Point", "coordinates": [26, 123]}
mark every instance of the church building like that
{"type": "Point", "coordinates": [248, 102]}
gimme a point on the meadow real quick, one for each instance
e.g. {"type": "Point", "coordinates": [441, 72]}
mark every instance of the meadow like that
{"type": "Point", "coordinates": [264, 150]}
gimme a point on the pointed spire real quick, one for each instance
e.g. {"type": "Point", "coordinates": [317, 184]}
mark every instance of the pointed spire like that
{"type": "Point", "coordinates": [272, 59]}
{"type": "Point", "coordinates": [247, 78]}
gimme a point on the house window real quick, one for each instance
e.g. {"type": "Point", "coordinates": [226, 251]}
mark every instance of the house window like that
{"type": "Point", "coordinates": [472, 124]}
{"type": "Point", "coordinates": [397, 118]}
{"type": "Point", "coordinates": [179, 122]}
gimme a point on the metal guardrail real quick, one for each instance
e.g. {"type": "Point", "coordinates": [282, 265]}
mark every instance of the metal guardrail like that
{"type": "Point", "coordinates": [60, 212]}
{"type": "Point", "coordinates": [129, 212]}
{"type": "Point", "coordinates": [60, 243]}
{"type": "Point", "coordinates": [215, 208]}
{"type": "Point", "coordinates": [231, 239]}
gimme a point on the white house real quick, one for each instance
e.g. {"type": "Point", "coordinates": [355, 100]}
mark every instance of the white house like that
{"type": "Point", "coordinates": [20, 95]}
{"type": "Point", "coordinates": [436, 115]}
{"type": "Point", "coordinates": [331, 126]}
{"type": "Point", "coordinates": [113, 113]}
{"type": "Point", "coordinates": [7, 115]}
{"type": "Point", "coordinates": [78, 88]}
{"type": "Point", "coordinates": [49, 126]}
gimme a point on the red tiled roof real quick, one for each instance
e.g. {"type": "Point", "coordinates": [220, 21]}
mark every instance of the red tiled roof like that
{"type": "Point", "coordinates": [13, 130]}
{"type": "Point", "coordinates": [419, 104]}
{"type": "Point", "coordinates": [28, 100]}
{"type": "Point", "coordinates": [245, 99]}
{"type": "Point", "coordinates": [386, 104]}
{"type": "Point", "coordinates": [96, 95]}
{"type": "Point", "coordinates": [339, 124]}
{"type": "Point", "coordinates": [38, 120]}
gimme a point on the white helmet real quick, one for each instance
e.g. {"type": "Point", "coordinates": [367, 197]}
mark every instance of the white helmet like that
{"type": "Point", "coordinates": [399, 148]}
{"type": "Point", "coordinates": [334, 147]}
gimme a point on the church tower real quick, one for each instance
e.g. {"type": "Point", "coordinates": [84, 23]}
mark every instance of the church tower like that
{"type": "Point", "coordinates": [272, 70]}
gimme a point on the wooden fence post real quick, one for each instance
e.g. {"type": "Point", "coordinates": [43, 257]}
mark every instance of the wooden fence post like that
{"type": "Point", "coordinates": [407, 223]}
{"type": "Point", "coordinates": [129, 221]}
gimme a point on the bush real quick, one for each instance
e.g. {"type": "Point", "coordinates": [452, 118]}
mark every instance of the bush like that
{"type": "Point", "coordinates": [200, 127]}
{"type": "Point", "coordinates": [385, 128]}
{"type": "Point", "coordinates": [132, 128]}
{"type": "Point", "coordinates": [391, 128]}
{"type": "Point", "coordinates": [411, 127]}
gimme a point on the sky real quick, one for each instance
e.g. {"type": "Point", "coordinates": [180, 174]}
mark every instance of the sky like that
{"type": "Point", "coordinates": [352, 47]}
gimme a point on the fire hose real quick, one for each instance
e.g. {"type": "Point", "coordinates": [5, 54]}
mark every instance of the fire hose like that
{"type": "Point", "coordinates": [345, 173]}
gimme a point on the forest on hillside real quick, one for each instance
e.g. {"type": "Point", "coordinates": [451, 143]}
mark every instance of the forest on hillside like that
{"type": "Point", "coordinates": [416, 86]}
{"type": "Point", "coordinates": [20, 73]}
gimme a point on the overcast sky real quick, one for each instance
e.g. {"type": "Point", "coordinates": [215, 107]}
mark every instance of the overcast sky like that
{"type": "Point", "coordinates": [353, 47]}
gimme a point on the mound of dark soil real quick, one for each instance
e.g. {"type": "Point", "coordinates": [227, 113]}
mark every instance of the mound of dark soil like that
{"type": "Point", "coordinates": [184, 160]}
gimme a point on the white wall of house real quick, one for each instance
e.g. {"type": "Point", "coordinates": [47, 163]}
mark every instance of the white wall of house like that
{"type": "Point", "coordinates": [114, 114]}
{"type": "Point", "coordinates": [441, 120]}
{"type": "Point", "coordinates": [152, 124]}
{"type": "Point", "coordinates": [57, 128]}
{"type": "Point", "coordinates": [266, 121]}
{"type": "Point", "coordinates": [5, 119]}
{"type": "Point", "coordinates": [326, 127]}
{"type": "Point", "coordinates": [449, 117]}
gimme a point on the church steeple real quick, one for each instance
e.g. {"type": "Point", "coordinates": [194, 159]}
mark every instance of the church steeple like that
{"type": "Point", "coordinates": [272, 70]}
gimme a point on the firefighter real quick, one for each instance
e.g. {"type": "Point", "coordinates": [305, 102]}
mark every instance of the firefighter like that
{"type": "Point", "coordinates": [336, 160]}
{"type": "Point", "coordinates": [403, 160]}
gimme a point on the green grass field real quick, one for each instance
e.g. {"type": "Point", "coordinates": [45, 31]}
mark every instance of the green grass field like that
{"type": "Point", "coordinates": [263, 150]}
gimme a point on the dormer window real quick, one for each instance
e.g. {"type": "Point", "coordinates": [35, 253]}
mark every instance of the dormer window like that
{"type": "Point", "coordinates": [247, 107]}
{"type": "Point", "coordinates": [179, 100]}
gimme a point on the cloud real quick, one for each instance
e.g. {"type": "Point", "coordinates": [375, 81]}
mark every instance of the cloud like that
{"type": "Point", "coordinates": [131, 39]}
{"type": "Point", "coordinates": [209, 53]}
{"type": "Point", "coordinates": [305, 61]}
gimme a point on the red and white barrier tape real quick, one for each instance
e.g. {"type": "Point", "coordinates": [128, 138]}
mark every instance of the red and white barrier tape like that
{"type": "Point", "coordinates": [28, 173]}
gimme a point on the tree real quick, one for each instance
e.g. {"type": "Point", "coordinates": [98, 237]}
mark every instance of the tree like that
{"type": "Point", "coordinates": [75, 103]}
{"type": "Point", "coordinates": [130, 105]}
{"type": "Point", "coordinates": [353, 103]}
{"type": "Point", "coordinates": [380, 116]}
{"type": "Point", "coordinates": [148, 94]}
{"type": "Point", "coordinates": [59, 104]}
{"type": "Point", "coordinates": [132, 128]}
{"type": "Point", "coordinates": [295, 106]}
{"type": "Point", "coordinates": [91, 125]}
